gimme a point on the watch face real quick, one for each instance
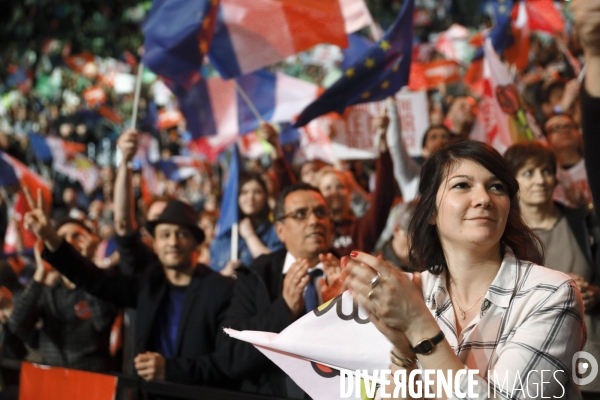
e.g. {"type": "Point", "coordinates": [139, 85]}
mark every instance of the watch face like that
{"type": "Point", "coordinates": [426, 346]}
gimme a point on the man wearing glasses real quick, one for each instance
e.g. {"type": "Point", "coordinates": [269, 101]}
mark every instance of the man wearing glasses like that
{"type": "Point", "coordinates": [565, 140]}
{"type": "Point", "coordinates": [280, 287]}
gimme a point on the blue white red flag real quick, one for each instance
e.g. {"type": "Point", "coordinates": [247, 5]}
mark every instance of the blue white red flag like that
{"type": "Point", "coordinates": [177, 35]}
{"type": "Point", "coordinates": [380, 73]}
{"type": "Point", "coordinates": [179, 168]}
{"type": "Point", "coordinates": [244, 41]}
{"type": "Point", "coordinates": [147, 154]}
{"type": "Point", "coordinates": [67, 159]}
{"type": "Point", "coordinates": [216, 113]}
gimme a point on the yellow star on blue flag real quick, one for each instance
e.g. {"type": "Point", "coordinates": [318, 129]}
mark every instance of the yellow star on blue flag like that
{"type": "Point", "coordinates": [501, 33]}
{"type": "Point", "coordinates": [379, 73]}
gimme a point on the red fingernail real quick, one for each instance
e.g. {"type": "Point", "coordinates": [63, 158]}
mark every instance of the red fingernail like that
{"type": "Point", "coordinates": [354, 254]}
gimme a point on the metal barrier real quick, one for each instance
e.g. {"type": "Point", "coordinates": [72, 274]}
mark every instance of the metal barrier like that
{"type": "Point", "coordinates": [135, 388]}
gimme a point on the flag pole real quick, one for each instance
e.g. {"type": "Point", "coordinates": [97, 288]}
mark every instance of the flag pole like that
{"type": "Point", "coordinates": [248, 102]}
{"type": "Point", "coordinates": [234, 242]}
{"type": "Point", "coordinates": [136, 95]}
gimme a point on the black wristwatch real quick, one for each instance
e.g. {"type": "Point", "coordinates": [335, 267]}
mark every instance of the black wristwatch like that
{"type": "Point", "coordinates": [426, 346]}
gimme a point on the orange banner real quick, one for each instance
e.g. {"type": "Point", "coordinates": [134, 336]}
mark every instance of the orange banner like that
{"type": "Point", "coordinates": [94, 95]}
{"type": "Point", "coordinates": [55, 383]}
{"type": "Point", "coordinates": [78, 61]}
{"type": "Point", "coordinates": [169, 118]}
{"type": "Point", "coordinates": [430, 75]}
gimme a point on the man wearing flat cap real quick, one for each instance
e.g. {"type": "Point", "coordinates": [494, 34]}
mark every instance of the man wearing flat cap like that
{"type": "Point", "coordinates": [180, 304]}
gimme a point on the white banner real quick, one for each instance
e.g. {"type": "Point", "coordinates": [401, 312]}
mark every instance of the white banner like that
{"type": "Point", "coordinates": [414, 118]}
{"type": "Point", "coordinates": [337, 335]}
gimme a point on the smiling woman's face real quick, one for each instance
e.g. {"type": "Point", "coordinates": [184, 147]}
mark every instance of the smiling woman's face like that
{"type": "Point", "coordinates": [473, 207]}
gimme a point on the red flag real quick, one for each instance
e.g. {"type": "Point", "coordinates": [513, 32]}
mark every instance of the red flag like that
{"type": "Point", "coordinates": [16, 234]}
{"type": "Point", "coordinates": [474, 77]}
{"type": "Point", "coordinates": [543, 16]}
{"type": "Point", "coordinates": [518, 53]}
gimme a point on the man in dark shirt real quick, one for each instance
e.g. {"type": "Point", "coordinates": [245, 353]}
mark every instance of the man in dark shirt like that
{"type": "Point", "coordinates": [180, 304]}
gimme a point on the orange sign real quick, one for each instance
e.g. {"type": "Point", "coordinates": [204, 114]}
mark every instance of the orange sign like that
{"type": "Point", "coordinates": [430, 75]}
{"type": "Point", "coordinates": [94, 95]}
{"type": "Point", "coordinates": [78, 61]}
{"type": "Point", "coordinates": [169, 118]}
{"type": "Point", "coordinates": [55, 383]}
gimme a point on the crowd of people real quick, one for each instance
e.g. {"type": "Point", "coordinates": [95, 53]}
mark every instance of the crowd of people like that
{"type": "Point", "coordinates": [474, 226]}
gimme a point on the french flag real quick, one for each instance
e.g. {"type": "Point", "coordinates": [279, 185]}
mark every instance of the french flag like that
{"type": "Point", "coordinates": [67, 159]}
{"type": "Point", "coordinates": [14, 174]}
{"type": "Point", "coordinates": [216, 111]}
{"type": "Point", "coordinates": [147, 154]}
{"type": "Point", "coordinates": [250, 35]}
{"type": "Point", "coordinates": [179, 168]}
{"type": "Point", "coordinates": [52, 148]}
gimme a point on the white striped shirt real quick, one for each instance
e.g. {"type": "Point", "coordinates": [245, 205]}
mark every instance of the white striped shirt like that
{"type": "Point", "coordinates": [530, 321]}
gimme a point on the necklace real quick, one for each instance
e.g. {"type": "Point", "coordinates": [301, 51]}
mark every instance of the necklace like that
{"type": "Point", "coordinates": [464, 312]}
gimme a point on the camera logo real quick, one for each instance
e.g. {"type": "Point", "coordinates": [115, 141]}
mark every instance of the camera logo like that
{"type": "Point", "coordinates": [585, 365]}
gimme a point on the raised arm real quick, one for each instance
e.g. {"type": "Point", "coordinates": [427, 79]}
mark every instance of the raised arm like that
{"type": "Point", "coordinates": [367, 229]}
{"type": "Point", "coordinates": [406, 170]}
{"type": "Point", "coordinates": [124, 202]}
{"type": "Point", "coordinates": [110, 286]}
{"type": "Point", "coordinates": [283, 172]}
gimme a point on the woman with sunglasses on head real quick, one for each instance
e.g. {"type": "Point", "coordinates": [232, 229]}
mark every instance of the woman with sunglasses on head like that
{"type": "Point", "coordinates": [256, 232]}
{"type": "Point", "coordinates": [483, 302]}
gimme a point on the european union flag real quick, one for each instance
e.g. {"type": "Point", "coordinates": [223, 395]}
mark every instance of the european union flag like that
{"type": "Point", "coordinates": [380, 73]}
{"type": "Point", "coordinates": [501, 34]}
{"type": "Point", "coordinates": [177, 36]}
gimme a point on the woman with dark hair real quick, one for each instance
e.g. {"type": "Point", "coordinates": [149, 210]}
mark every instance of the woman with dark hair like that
{"type": "Point", "coordinates": [256, 233]}
{"type": "Point", "coordinates": [570, 236]}
{"type": "Point", "coordinates": [482, 302]}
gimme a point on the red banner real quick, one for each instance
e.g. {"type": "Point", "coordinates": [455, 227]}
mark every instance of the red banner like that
{"type": "Point", "coordinates": [169, 118]}
{"type": "Point", "coordinates": [78, 61]}
{"type": "Point", "coordinates": [54, 383]}
{"type": "Point", "coordinates": [430, 75]}
{"type": "Point", "coordinates": [94, 95]}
